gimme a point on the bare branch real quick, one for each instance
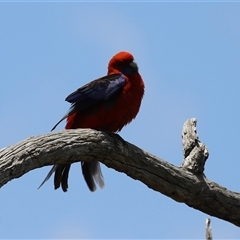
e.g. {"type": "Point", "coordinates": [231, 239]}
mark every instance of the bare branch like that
{"type": "Point", "coordinates": [69, 145]}
{"type": "Point", "coordinates": [195, 152]}
{"type": "Point", "coordinates": [208, 229]}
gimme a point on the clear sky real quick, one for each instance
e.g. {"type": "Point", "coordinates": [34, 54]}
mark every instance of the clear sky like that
{"type": "Point", "coordinates": [189, 57]}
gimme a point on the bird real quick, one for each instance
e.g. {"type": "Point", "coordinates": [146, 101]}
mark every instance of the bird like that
{"type": "Point", "coordinates": [107, 104]}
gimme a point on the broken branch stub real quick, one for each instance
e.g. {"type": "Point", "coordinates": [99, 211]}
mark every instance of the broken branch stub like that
{"type": "Point", "coordinates": [208, 229]}
{"type": "Point", "coordinates": [195, 152]}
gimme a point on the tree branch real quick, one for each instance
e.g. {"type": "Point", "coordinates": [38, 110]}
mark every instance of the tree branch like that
{"type": "Point", "coordinates": [208, 229]}
{"type": "Point", "coordinates": [195, 153]}
{"type": "Point", "coordinates": [66, 146]}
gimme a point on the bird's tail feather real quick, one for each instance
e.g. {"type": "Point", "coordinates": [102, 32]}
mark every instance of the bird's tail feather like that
{"type": "Point", "coordinates": [97, 173]}
{"type": "Point", "coordinates": [53, 169]}
{"type": "Point", "coordinates": [92, 173]}
{"type": "Point", "coordinates": [60, 176]}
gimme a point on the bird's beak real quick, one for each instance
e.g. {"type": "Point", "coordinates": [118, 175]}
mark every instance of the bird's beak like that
{"type": "Point", "coordinates": [134, 65]}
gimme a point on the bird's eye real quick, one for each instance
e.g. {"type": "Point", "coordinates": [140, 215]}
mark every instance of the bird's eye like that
{"type": "Point", "coordinates": [129, 68]}
{"type": "Point", "coordinates": [122, 64]}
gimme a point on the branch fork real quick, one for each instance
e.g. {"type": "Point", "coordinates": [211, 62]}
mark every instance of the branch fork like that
{"type": "Point", "coordinates": [190, 187]}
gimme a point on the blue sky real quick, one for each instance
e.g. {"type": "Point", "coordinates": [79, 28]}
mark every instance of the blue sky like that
{"type": "Point", "coordinates": [189, 57]}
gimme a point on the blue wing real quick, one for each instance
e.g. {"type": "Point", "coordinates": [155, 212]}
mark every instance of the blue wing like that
{"type": "Point", "coordinates": [98, 90]}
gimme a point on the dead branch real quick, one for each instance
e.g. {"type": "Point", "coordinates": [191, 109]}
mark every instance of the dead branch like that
{"type": "Point", "coordinates": [67, 146]}
{"type": "Point", "coordinates": [208, 229]}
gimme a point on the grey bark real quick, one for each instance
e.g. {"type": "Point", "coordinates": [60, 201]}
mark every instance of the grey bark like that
{"type": "Point", "coordinates": [68, 146]}
{"type": "Point", "coordinates": [208, 229]}
{"type": "Point", "coordinates": [195, 153]}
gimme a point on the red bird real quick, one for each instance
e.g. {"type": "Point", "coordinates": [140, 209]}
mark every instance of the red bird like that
{"type": "Point", "coordinates": [107, 103]}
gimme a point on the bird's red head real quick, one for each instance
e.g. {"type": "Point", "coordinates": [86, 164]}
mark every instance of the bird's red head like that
{"type": "Point", "coordinates": [122, 62]}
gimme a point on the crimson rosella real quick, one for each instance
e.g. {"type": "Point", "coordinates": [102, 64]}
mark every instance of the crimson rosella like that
{"type": "Point", "coordinates": [107, 103]}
